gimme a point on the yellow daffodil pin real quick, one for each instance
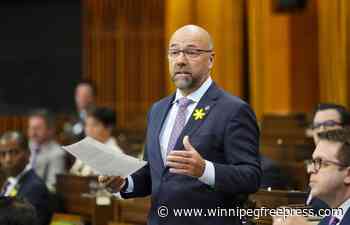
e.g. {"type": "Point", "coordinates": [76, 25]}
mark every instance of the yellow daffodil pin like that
{"type": "Point", "coordinates": [198, 114]}
{"type": "Point", "coordinates": [13, 193]}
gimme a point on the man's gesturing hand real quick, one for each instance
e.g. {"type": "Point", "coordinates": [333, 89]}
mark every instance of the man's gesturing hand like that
{"type": "Point", "coordinates": [187, 162]}
{"type": "Point", "coordinates": [114, 184]}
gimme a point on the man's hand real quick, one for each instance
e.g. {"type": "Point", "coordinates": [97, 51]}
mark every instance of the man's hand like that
{"type": "Point", "coordinates": [114, 184]}
{"type": "Point", "coordinates": [187, 162]}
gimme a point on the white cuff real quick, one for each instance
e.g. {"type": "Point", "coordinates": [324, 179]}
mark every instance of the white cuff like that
{"type": "Point", "coordinates": [208, 176]}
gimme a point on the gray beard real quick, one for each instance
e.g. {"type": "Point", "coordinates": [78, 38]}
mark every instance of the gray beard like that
{"type": "Point", "coordinates": [183, 84]}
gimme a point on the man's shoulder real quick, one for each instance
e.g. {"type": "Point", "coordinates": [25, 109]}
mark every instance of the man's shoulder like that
{"type": "Point", "coordinates": [53, 149]}
{"type": "Point", "coordinates": [228, 100]}
{"type": "Point", "coordinates": [31, 181]}
{"type": "Point", "coordinates": [162, 102]}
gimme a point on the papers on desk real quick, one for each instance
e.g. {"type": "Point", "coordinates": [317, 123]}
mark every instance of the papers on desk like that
{"type": "Point", "coordinates": [103, 159]}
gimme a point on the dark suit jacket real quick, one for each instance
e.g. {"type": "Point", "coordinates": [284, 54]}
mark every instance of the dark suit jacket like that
{"type": "Point", "coordinates": [228, 136]}
{"type": "Point", "coordinates": [34, 190]}
{"type": "Point", "coordinates": [345, 220]}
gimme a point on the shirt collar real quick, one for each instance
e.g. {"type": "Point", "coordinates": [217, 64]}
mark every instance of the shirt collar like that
{"type": "Point", "coordinates": [197, 94]}
{"type": "Point", "coordinates": [344, 206]}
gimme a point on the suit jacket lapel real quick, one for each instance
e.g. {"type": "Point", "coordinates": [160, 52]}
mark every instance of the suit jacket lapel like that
{"type": "Point", "coordinates": [161, 115]}
{"type": "Point", "coordinates": [206, 103]}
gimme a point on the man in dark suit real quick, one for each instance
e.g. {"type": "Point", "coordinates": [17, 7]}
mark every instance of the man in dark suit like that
{"type": "Point", "coordinates": [329, 172]}
{"type": "Point", "coordinates": [202, 143]}
{"type": "Point", "coordinates": [327, 116]}
{"type": "Point", "coordinates": [21, 180]}
{"type": "Point", "coordinates": [16, 211]}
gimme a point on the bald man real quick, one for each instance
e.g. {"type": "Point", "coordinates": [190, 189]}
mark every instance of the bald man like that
{"type": "Point", "coordinates": [202, 143]}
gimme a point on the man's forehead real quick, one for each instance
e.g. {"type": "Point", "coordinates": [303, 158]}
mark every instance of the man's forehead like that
{"type": "Point", "coordinates": [193, 42]}
{"type": "Point", "coordinates": [327, 148]}
{"type": "Point", "coordinates": [328, 114]}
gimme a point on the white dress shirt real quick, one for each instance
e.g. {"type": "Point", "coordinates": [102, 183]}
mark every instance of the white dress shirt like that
{"type": "Point", "coordinates": [208, 176]}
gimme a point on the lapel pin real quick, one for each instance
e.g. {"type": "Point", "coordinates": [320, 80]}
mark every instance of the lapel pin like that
{"type": "Point", "coordinates": [198, 114]}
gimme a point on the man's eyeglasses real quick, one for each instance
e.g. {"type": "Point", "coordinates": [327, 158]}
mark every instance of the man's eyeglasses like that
{"type": "Point", "coordinates": [317, 164]}
{"type": "Point", "coordinates": [327, 123]}
{"type": "Point", "coordinates": [190, 53]}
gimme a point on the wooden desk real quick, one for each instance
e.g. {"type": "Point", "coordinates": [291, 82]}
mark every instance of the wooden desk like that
{"type": "Point", "coordinates": [73, 190]}
{"type": "Point", "coordinates": [133, 211]}
{"type": "Point", "coordinates": [274, 199]}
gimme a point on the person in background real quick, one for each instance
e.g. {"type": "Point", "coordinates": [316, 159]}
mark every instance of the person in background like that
{"type": "Point", "coordinates": [47, 158]}
{"type": "Point", "coordinates": [99, 124]}
{"type": "Point", "coordinates": [21, 180]}
{"type": "Point", "coordinates": [329, 172]}
{"type": "Point", "coordinates": [16, 211]}
{"type": "Point", "coordinates": [85, 93]}
{"type": "Point", "coordinates": [327, 116]}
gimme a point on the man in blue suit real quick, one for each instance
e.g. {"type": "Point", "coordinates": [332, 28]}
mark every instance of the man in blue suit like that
{"type": "Point", "coordinates": [201, 145]}
{"type": "Point", "coordinates": [21, 180]}
{"type": "Point", "coordinates": [329, 172]}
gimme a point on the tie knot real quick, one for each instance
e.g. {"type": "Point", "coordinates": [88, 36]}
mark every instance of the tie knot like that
{"type": "Point", "coordinates": [333, 221]}
{"type": "Point", "coordinates": [184, 102]}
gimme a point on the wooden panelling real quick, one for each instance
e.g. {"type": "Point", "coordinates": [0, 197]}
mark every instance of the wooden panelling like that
{"type": "Point", "coordinates": [283, 58]}
{"type": "Point", "coordinates": [13, 123]}
{"type": "Point", "coordinates": [334, 21]}
{"type": "Point", "coordinates": [125, 55]}
{"type": "Point", "coordinates": [224, 21]}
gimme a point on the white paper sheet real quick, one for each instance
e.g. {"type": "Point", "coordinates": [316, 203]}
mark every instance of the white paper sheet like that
{"type": "Point", "coordinates": [103, 159]}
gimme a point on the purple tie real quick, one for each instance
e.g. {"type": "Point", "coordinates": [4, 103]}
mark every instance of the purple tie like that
{"type": "Point", "coordinates": [333, 221]}
{"type": "Point", "coordinates": [180, 121]}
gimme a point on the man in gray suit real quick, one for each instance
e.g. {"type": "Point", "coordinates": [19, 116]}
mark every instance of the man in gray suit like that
{"type": "Point", "coordinates": [47, 158]}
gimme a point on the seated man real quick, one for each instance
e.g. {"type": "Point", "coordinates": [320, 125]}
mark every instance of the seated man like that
{"type": "Point", "coordinates": [329, 172]}
{"type": "Point", "coordinates": [22, 181]}
{"type": "Point", "coordinates": [99, 125]}
{"type": "Point", "coordinates": [15, 211]}
{"type": "Point", "coordinates": [327, 116]}
{"type": "Point", "coordinates": [47, 158]}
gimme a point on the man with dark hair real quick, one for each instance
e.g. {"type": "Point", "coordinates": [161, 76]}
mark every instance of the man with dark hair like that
{"type": "Point", "coordinates": [47, 158]}
{"type": "Point", "coordinates": [15, 211]}
{"type": "Point", "coordinates": [329, 172]}
{"type": "Point", "coordinates": [22, 181]}
{"type": "Point", "coordinates": [328, 116]}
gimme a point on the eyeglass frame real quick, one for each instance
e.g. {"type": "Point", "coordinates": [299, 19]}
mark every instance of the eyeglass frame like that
{"type": "Point", "coordinates": [321, 163]}
{"type": "Point", "coordinates": [185, 52]}
{"type": "Point", "coordinates": [327, 123]}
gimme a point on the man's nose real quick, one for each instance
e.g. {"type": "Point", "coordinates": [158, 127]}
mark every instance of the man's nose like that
{"type": "Point", "coordinates": [7, 158]}
{"type": "Point", "coordinates": [181, 59]}
{"type": "Point", "coordinates": [310, 170]}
